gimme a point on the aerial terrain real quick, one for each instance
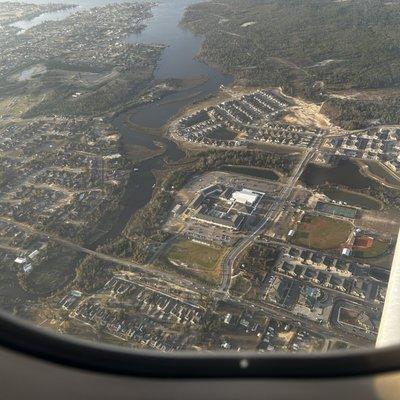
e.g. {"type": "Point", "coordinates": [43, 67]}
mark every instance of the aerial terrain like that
{"type": "Point", "coordinates": [204, 176]}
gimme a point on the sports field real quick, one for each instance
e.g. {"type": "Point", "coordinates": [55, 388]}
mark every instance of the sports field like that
{"type": "Point", "coordinates": [198, 258]}
{"type": "Point", "coordinates": [335, 209]}
{"type": "Point", "coordinates": [378, 248]}
{"type": "Point", "coordinates": [322, 233]}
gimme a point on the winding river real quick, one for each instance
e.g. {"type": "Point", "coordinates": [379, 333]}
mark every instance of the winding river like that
{"type": "Point", "coordinates": [178, 60]}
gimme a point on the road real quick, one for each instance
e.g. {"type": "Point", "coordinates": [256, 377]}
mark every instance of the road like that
{"type": "Point", "coordinates": [171, 279]}
{"type": "Point", "coordinates": [270, 217]}
{"type": "Point", "coordinates": [189, 286]}
{"type": "Point", "coordinates": [303, 322]}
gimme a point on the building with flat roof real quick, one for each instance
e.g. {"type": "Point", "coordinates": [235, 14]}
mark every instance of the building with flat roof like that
{"type": "Point", "coordinates": [245, 196]}
{"type": "Point", "coordinates": [231, 222]}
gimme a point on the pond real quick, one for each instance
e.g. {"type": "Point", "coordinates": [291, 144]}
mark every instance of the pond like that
{"type": "Point", "coordinates": [352, 198]}
{"type": "Point", "coordinates": [345, 173]}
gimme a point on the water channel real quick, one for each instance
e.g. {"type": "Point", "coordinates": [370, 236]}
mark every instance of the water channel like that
{"type": "Point", "coordinates": [178, 60]}
{"type": "Point", "coordinates": [59, 15]}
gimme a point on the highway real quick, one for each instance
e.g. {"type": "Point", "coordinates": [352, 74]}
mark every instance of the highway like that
{"type": "Point", "coordinates": [270, 217]}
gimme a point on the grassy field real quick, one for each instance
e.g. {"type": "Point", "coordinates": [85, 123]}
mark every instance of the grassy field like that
{"type": "Point", "coordinates": [52, 274]}
{"type": "Point", "coordinates": [240, 285]}
{"type": "Point", "coordinates": [377, 249]}
{"type": "Point", "coordinates": [378, 170]}
{"type": "Point", "coordinates": [18, 105]}
{"type": "Point", "coordinates": [136, 153]}
{"type": "Point", "coordinates": [202, 260]}
{"type": "Point", "coordinates": [321, 233]}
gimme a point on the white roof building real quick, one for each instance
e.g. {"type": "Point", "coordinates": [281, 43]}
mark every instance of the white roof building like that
{"type": "Point", "coordinates": [33, 254]}
{"type": "Point", "coordinates": [113, 156]}
{"type": "Point", "coordinates": [28, 268]}
{"type": "Point", "coordinates": [245, 196]}
{"type": "Point", "coordinates": [228, 319]}
{"type": "Point", "coordinates": [346, 251]}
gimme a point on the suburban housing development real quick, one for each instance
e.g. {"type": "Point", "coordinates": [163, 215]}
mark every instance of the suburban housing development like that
{"type": "Point", "coordinates": [196, 202]}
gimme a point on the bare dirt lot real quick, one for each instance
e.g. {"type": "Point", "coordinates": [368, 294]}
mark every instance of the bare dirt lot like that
{"type": "Point", "coordinates": [307, 114]}
{"type": "Point", "coordinates": [386, 223]}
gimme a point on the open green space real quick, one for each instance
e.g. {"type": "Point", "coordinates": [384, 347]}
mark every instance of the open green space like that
{"type": "Point", "coordinates": [52, 274]}
{"type": "Point", "coordinates": [223, 133]}
{"type": "Point", "coordinates": [198, 258]}
{"type": "Point", "coordinates": [382, 172]}
{"type": "Point", "coordinates": [258, 172]}
{"type": "Point", "coordinates": [378, 248]}
{"type": "Point", "coordinates": [240, 285]}
{"type": "Point", "coordinates": [321, 233]}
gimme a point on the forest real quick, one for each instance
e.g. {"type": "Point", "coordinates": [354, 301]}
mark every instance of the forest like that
{"type": "Point", "coordinates": [308, 47]}
{"type": "Point", "coordinates": [357, 114]}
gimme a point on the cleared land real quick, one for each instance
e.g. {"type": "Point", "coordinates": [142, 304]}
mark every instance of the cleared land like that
{"type": "Point", "coordinates": [383, 173]}
{"type": "Point", "coordinates": [200, 259]}
{"type": "Point", "coordinates": [322, 233]}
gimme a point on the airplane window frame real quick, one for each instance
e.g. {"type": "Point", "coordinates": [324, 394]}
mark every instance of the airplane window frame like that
{"type": "Point", "coordinates": [23, 337]}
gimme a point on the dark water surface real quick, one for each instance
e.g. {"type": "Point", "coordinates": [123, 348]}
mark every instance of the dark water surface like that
{"type": "Point", "coordinates": [345, 173]}
{"type": "Point", "coordinates": [353, 198]}
{"type": "Point", "coordinates": [178, 60]}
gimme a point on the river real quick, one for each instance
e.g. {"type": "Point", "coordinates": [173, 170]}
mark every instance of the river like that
{"type": "Point", "coordinates": [178, 60]}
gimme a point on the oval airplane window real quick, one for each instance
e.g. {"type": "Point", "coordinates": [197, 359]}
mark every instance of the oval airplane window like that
{"type": "Point", "coordinates": [202, 176]}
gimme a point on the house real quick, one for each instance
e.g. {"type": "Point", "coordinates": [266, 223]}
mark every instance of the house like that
{"type": "Point", "coordinates": [346, 251]}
